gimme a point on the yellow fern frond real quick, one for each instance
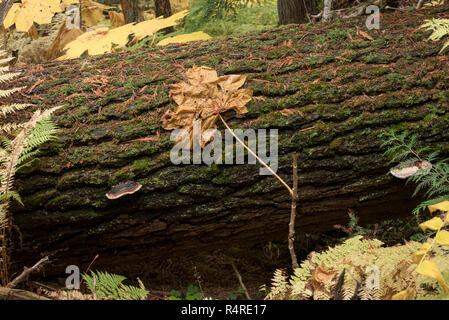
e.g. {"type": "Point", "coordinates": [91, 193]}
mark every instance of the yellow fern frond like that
{"type": "Point", "coordinates": [10, 127]}
{"type": "Point", "coordinates": [8, 92]}
{"type": "Point", "coordinates": [13, 108]}
{"type": "Point", "coordinates": [7, 76]}
{"type": "Point", "coordinates": [439, 28]}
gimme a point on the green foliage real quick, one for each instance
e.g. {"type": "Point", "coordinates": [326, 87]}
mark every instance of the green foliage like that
{"type": "Point", "coordinates": [19, 143]}
{"type": "Point", "coordinates": [226, 19]}
{"type": "Point", "coordinates": [192, 293]}
{"type": "Point", "coordinates": [403, 148]}
{"type": "Point", "coordinates": [110, 286]}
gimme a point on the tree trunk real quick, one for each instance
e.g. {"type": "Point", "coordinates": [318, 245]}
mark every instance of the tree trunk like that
{"type": "Point", "coordinates": [329, 102]}
{"type": "Point", "coordinates": [163, 8]}
{"type": "Point", "coordinates": [295, 11]}
{"type": "Point", "coordinates": [131, 11]}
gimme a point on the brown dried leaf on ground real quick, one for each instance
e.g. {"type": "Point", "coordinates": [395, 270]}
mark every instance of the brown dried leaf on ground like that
{"type": "Point", "coordinates": [203, 97]}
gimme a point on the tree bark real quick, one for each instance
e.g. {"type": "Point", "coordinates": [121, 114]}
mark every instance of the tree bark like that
{"type": "Point", "coordinates": [163, 8]}
{"type": "Point", "coordinates": [131, 11]}
{"type": "Point", "coordinates": [329, 102]}
{"type": "Point", "coordinates": [295, 11]}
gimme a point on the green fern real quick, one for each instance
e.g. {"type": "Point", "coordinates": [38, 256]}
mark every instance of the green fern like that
{"type": "Point", "coordinates": [110, 286]}
{"type": "Point", "coordinates": [434, 183]}
{"type": "Point", "coordinates": [19, 143]}
{"type": "Point", "coordinates": [439, 28]}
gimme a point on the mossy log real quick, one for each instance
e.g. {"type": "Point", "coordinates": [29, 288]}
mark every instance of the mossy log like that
{"type": "Point", "coordinates": [17, 294]}
{"type": "Point", "coordinates": [328, 89]}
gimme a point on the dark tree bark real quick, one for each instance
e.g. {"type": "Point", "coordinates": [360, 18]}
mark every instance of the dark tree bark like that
{"type": "Point", "coordinates": [295, 11]}
{"type": "Point", "coordinates": [329, 101]}
{"type": "Point", "coordinates": [163, 8]}
{"type": "Point", "coordinates": [131, 11]}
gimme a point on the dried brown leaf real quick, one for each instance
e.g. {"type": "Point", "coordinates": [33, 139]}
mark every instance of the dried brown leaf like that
{"type": "Point", "coordinates": [202, 97]}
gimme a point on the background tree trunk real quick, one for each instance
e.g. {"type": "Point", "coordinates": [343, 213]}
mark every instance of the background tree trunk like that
{"type": "Point", "coordinates": [163, 8]}
{"type": "Point", "coordinates": [131, 11]}
{"type": "Point", "coordinates": [329, 100]}
{"type": "Point", "coordinates": [294, 11]}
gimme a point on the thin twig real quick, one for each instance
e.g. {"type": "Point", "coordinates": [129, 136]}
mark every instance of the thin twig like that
{"type": "Point", "coordinates": [239, 277]}
{"type": "Point", "coordinates": [291, 225]}
{"type": "Point", "coordinates": [255, 155]}
{"type": "Point", "coordinates": [419, 5]}
{"type": "Point", "coordinates": [95, 258]}
{"type": "Point", "coordinates": [94, 287]}
{"type": "Point", "coordinates": [27, 271]}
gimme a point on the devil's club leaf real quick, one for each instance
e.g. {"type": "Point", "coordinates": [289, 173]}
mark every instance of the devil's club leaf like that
{"type": "Point", "coordinates": [203, 97]}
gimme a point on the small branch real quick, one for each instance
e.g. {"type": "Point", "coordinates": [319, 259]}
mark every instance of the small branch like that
{"type": "Point", "coordinates": [419, 5]}
{"type": "Point", "coordinates": [27, 271]}
{"type": "Point", "coordinates": [255, 155]}
{"type": "Point", "coordinates": [94, 287]}
{"type": "Point", "coordinates": [291, 225]}
{"type": "Point", "coordinates": [239, 277]}
{"type": "Point", "coordinates": [88, 268]}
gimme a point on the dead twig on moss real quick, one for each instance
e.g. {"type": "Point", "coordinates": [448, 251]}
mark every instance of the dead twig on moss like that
{"type": "Point", "coordinates": [291, 225]}
{"type": "Point", "coordinates": [27, 271]}
{"type": "Point", "coordinates": [239, 277]}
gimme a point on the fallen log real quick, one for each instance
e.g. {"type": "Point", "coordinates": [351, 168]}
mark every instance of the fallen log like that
{"type": "Point", "coordinates": [17, 294]}
{"type": "Point", "coordinates": [328, 90]}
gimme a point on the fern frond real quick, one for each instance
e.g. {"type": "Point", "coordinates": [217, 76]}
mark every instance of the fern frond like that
{"type": "Point", "coordinates": [10, 127]}
{"type": "Point", "coordinates": [6, 109]}
{"type": "Point", "coordinates": [439, 28]}
{"type": "Point", "coordinates": [4, 77]}
{"type": "Point", "coordinates": [8, 92]}
{"type": "Point", "coordinates": [110, 286]}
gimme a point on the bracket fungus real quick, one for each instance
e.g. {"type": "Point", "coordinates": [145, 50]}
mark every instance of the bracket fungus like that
{"type": "Point", "coordinates": [123, 188]}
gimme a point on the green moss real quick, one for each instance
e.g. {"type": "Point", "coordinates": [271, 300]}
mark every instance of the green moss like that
{"type": "Point", "coordinates": [376, 58]}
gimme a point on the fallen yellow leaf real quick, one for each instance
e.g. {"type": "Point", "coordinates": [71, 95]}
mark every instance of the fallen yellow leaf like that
{"type": "Point", "coordinates": [24, 14]}
{"type": "Point", "coordinates": [432, 224]}
{"type": "Point", "coordinates": [404, 295]}
{"type": "Point", "coordinates": [430, 269]}
{"type": "Point", "coordinates": [417, 256]}
{"type": "Point", "coordinates": [194, 36]}
{"type": "Point", "coordinates": [442, 238]}
{"type": "Point", "coordinates": [442, 206]}
{"type": "Point", "coordinates": [102, 40]}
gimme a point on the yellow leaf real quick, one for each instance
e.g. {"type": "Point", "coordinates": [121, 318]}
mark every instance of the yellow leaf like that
{"type": "Point", "coordinates": [404, 295]}
{"type": "Point", "coordinates": [117, 19]}
{"type": "Point", "coordinates": [442, 238]}
{"type": "Point", "coordinates": [417, 256]}
{"type": "Point", "coordinates": [430, 269]}
{"type": "Point", "coordinates": [24, 14]}
{"type": "Point", "coordinates": [442, 206]}
{"type": "Point", "coordinates": [63, 37]}
{"type": "Point", "coordinates": [194, 36]}
{"type": "Point", "coordinates": [92, 15]}
{"type": "Point", "coordinates": [432, 224]}
{"type": "Point", "coordinates": [102, 40]}
{"type": "Point", "coordinates": [323, 275]}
